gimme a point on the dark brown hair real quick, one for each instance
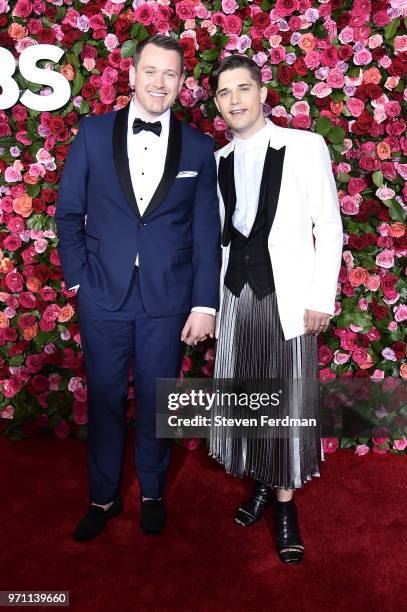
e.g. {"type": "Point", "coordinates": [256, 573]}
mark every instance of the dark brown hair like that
{"type": "Point", "coordinates": [230, 63]}
{"type": "Point", "coordinates": [164, 42]}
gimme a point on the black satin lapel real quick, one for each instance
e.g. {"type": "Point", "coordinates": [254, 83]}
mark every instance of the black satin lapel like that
{"type": "Point", "coordinates": [271, 181]}
{"type": "Point", "coordinates": [121, 159]}
{"type": "Point", "coordinates": [171, 165]}
{"type": "Point", "coordinates": [226, 180]}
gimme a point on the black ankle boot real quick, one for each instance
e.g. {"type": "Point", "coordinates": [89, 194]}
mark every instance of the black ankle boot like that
{"type": "Point", "coordinates": [289, 543]}
{"type": "Point", "coordinates": [253, 509]}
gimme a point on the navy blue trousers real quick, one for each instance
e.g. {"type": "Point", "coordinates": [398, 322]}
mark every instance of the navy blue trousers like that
{"type": "Point", "coordinates": [109, 341]}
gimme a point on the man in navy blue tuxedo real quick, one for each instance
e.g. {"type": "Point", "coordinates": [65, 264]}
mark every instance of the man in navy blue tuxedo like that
{"type": "Point", "coordinates": [139, 239]}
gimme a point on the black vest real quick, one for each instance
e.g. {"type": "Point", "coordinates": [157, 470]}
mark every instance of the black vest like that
{"type": "Point", "coordinates": [249, 258]}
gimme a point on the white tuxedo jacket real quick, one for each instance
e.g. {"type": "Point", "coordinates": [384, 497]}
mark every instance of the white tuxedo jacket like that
{"type": "Point", "coordinates": [305, 274]}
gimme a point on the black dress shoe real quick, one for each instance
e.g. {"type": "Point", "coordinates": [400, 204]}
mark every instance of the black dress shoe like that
{"type": "Point", "coordinates": [253, 509]}
{"type": "Point", "coordinates": [289, 543]}
{"type": "Point", "coordinates": [92, 524]}
{"type": "Point", "coordinates": [152, 516]}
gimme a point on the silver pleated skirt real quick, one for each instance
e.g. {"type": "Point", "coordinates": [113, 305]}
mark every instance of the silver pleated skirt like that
{"type": "Point", "coordinates": [251, 345]}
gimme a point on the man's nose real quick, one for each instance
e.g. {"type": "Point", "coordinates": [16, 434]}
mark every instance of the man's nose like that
{"type": "Point", "coordinates": [158, 80]}
{"type": "Point", "coordinates": [235, 98]}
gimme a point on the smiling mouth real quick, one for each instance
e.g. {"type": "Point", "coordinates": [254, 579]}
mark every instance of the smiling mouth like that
{"type": "Point", "coordinates": [157, 94]}
{"type": "Point", "coordinates": [238, 111]}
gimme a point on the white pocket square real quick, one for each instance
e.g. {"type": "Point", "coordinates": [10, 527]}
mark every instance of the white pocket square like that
{"type": "Point", "coordinates": [186, 173]}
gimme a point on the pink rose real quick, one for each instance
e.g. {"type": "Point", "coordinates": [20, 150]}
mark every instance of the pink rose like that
{"type": "Point", "coordinates": [400, 313]}
{"type": "Point", "coordinates": [349, 205]}
{"type": "Point", "coordinates": [335, 78]}
{"type": "Point", "coordinates": [232, 24]}
{"type": "Point", "coordinates": [340, 358]}
{"type": "Point", "coordinates": [7, 412]}
{"type": "Point", "coordinates": [299, 89]}
{"type": "Point", "coordinates": [361, 449]}
{"type": "Point", "coordinates": [360, 356]}
{"type": "Point", "coordinates": [107, 94]}
{"type": "Point", "coordinates": [229, 6]}
{"type": "Point", "coordinates": [111, 42]}
{"type": "Point", "coordinates": [144, 14]}
{"type": "Point", "coordinates": [377, 375]}
{"type": "Point", "coordinates": [355, 106]}
{"type": "Point", "coordinates": [185, 10]}
{"type": "Point", "coordinates": [301, 122]}
{"type": "Point", "coordinates": [385, 259]}
{"type": "Point", "coordinates": [362, 57]}
{"type": "Point", "coordinates": [186, 98]}
{"type": "Point", "coordinates": [401, 444]}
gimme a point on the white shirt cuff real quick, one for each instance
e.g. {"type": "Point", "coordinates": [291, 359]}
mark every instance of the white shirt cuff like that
{"type": "Point", "coordinates": [74, 287]}
{"type": "Point", "coordinates": [204, 310]}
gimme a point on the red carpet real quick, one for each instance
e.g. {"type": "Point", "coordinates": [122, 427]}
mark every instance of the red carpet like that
{"type": "Point", "coordinates": [353, 524]}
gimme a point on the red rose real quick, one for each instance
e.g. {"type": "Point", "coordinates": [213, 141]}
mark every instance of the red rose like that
{"type": "Point", "coordinates": [46, 37]}
{"type": "Point", "coordinates": [14, 282]}
{"type": "Point", "coordinates": [40, 382]}
{"type": "Point", "coordinates": [261, 20]}
{"type": "Point", "coordinates": [273, 97]}
{"type": "Point", "coordinates": [400, 349]}
{"type": "Point", "coordinates": [144, 14]}
{"type": "Point", "coordinates": [5, 130]}
{"type": "Point", "coordinates": [19, 112]}
{"type": "Point", "coordinates": [88, 52]}
{"type": "Point", "coordinates": [26, 320]}
{"type": "Point", "coordinates": [300, 67]}
{"type": "Point", "coordinates": [285, 74]}
{"type": "Point", "coordinates": [88, 91]}
{"type": "Point", "coordinates": [48, 195]}
{"type": "Point", "coordinates": [357, 242]}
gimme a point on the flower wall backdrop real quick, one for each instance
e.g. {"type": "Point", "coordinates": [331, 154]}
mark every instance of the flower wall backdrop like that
{"type": "Point", "coordinates": [330, 66]}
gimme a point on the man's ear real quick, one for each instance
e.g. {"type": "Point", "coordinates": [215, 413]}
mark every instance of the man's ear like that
{"type": "Point", "coordinates": [181, 81]}
{"type": "Point", "coordinates": [132, 76]}
{"type": "Point", "coordinates": [263, 94]}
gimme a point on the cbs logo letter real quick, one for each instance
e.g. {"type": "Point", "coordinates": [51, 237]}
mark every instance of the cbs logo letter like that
{"type": "Point", "coordinates": [28, 68]}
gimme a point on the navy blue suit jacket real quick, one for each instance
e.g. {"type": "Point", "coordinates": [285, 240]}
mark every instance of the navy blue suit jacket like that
{"type": "Point", "coordinates": [177, 239]}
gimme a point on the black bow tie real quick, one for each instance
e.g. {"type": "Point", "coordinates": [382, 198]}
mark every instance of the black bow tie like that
{"type": "Point", "coordinates": [139, 125]}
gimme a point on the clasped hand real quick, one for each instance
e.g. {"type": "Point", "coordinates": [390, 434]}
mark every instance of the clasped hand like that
{"type": "Point", "coordinates": [198, 327]}
{"type": "Point", "coordinates": [315, 322]}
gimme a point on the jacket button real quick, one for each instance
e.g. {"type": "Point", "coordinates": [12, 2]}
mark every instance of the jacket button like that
{"type": "Point", "coordinates": [247, 257]}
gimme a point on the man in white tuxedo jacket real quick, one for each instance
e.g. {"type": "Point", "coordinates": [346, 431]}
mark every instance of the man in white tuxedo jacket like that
{"type": "Point", "coordinates": [281, 253]}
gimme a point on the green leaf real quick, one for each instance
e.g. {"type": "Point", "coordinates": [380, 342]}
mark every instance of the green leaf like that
{"type": "Point", "coordinates": [197, 71]}
{"type": "Point", "coordinates": [342, 177]}
{"type": "Point", "coordinates": [320, 30]}
{"type": "Point", "coordinates": [396, 211]}
{"type": "Point", "coordinates": [210, 54]}
{"type": "Point", "coordinates": [73, 60]}
{"type": "Point", "coordinates": [323, 126]}
{"type": "Point", "coordinates": [84, 107]}
{"type": "Point", "coordinates": [33, 190]}
{"type": "Point", "coordinates": [77, 48]}
{"type": "Point", "coordinates": [77, 83]}
{"type": "Point", "coordinates": [35, 222]}
{"type": "Point", "coordinates": [336, 134]}
{"type": "Point", "coordinates": [128, 48]}
{"type": "Point", "coordinates": [377, 178]}
{"type": "Point", "coordinates": [391, 28]}
{"type": "Point", "coordinates": [138, 32]}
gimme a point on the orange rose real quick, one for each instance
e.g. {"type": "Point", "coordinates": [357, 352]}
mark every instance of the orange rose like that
{"type": "Point", "coordinates": [33, 284]}
{"type": "Point", "coordinates": [68, 72]}
{"type": "Point", "coordinates": [372, 75]}
{"type": "Point", "coordinates": [6, 265]}
{"type": "Point", "coordinates": [336, 107]}
{"type": "Point", "coordinates": [30, 180]}
{"type": "Point", "coordinates": [397, 229]}
{"type": "Point", "coordinates": [403, 371]}
{"type": "Point", "coordinates": [23, 205]}
{"type": "Point", "coordinates": [17, 31]}
{"type": "Point", "coordinates": [367, 364]}
{"type": "Point", "coordinates": [383, 150]}
{"type": "Point", "coordinates": [4, 321]}
{"type": "Point", "coordinates": [307, 42]}
{"type": "Point", "coordinates": [30, 332]}
{"type": "Point", "coordinates": [358, 276]}
{"type": "Point", "coordinates": [66, 313]}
